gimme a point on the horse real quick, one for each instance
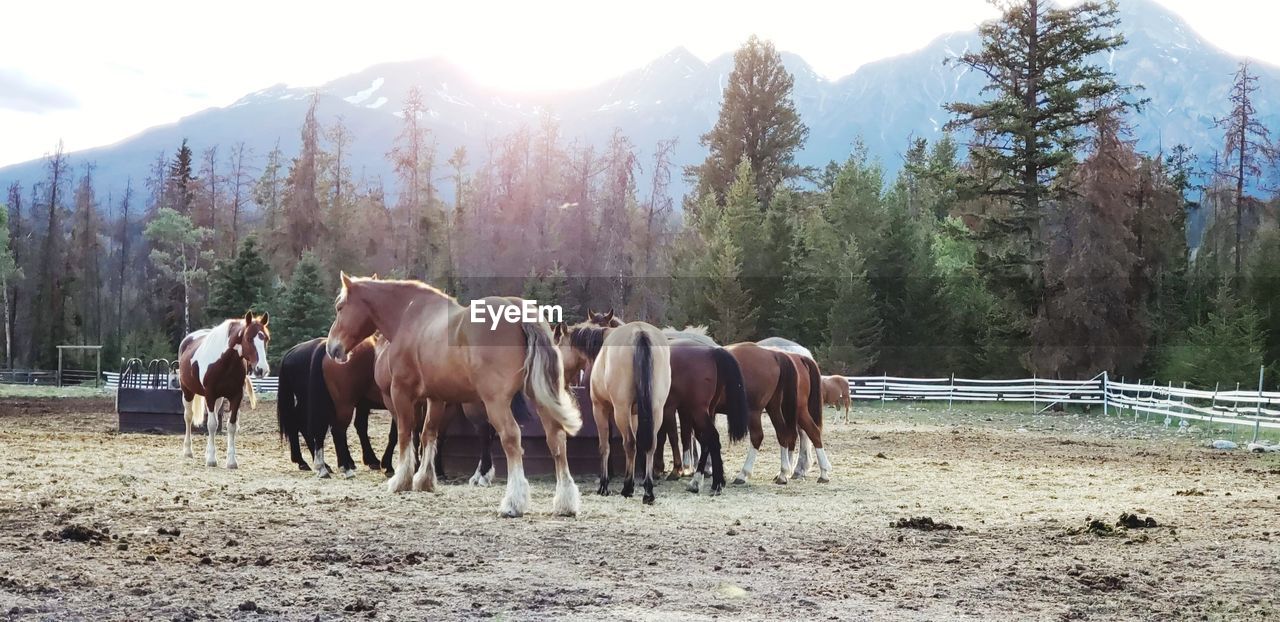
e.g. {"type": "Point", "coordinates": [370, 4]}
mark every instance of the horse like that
{"type": "Point", "coordinates": [438, 354]}
{"type": "Point", "coordinates": [604, 319]}
{"type": "Point", "coordinates": [474, 412]}
{"type": "Point", "coordinates": [770, 379]}
{"type": "Point", "coordinates": [835, 392]}
{"type": "Point", "coordinates": [214, 366]}
{"type": "Point", "coordinates": [809, 415]}
{"type": "Point", "coordinates": [630, 381]}
{"type": "Point", "coordinates": [317, 395]}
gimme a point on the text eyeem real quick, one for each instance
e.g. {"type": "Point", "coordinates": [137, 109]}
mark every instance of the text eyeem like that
{"type": "Point", "coordinates": [527, 311]}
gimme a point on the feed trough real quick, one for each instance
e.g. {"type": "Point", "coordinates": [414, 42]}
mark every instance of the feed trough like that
{"type": "Point", "coordinates": [148, 398]}
{"type": "Point", "coordinates": [460, 447]}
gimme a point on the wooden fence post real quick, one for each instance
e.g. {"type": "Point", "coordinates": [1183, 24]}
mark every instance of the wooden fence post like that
{"type": "Point", "coordinates": [951, 396]}
{"type": "Point", "coordinates": [1106, 410]}
{"type": "Point", "coordinates": [1257, 417]}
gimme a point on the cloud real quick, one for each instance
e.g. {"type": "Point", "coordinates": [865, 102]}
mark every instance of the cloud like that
{"type": "Point", "coordinates": [17, 92]}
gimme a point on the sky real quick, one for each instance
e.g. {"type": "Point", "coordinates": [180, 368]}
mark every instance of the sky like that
{"type": "Point", "coordinates": [91, 73]}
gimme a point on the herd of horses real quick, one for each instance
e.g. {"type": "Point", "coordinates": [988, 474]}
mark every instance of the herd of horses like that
{"type": "Point", "coordinates": [411, 349]}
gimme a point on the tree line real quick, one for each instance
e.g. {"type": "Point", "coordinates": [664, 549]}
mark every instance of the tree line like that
{"type": "Point", "coordinates": [1030, 237]}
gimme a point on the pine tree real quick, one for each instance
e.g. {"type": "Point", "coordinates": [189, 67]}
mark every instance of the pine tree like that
{"type": "Point", "coordinates": [9, 272]}
{"type": "Point", "coordinates": [1263, 289]}
{"type": "Point", "coordinates": [307, 311]}
{"type": "Point", "coordinates": [1226, 348]}
{"type": "Point", "coordinates": [1248, 149]}
{"type": "Point", "coordinates": [180, 183]}
{"type": "Point", "coordinates": [853, 320]}
{"type": "Point", "coordinates": [49, 326]}
{"type": "Point", "coordinates": [758, 121]}
{"type": "Point", "coordinates": [727, 305]}
{"type": "Point", "coordinates": [1044, 86]}
{"type": "Point", "coordinates": [302, 225]}
{"type": "Point", "coordinates": [901, 276]}
{"type": "Point", "coordinates": [240, 284]}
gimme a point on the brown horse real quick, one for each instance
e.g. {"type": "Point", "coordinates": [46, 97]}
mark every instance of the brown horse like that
{"type": "Point", "coordinates": [835, 392]}
{"type": "Point", "coordinates": [630, 380]}
{"type": "Point", "coordinates": [808, 417]}
{"type": "Point", "coordinates": [438, 353]}
{"type": "Point", "coordinates": [213, 365]}
{"type": "Point", "coordinates": [770, 380]}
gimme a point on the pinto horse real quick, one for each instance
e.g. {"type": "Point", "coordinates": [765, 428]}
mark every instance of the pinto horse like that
{"type": "Point", "coordinates": [213, 368]}
{"type": "Point", "coordinates": [630, 380]}
{"type": "Point", "coordinates": [835, 392]}
{"type": "Point", "coordinates": [809, 413]}
{"type": "Point", "coordinates": [438, 355]}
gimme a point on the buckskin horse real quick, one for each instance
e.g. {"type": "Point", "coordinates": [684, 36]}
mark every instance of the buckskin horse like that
{"type": "Point", "coordinates": [630, 380]}
{"type": "Point", "coordinates": [809, 408]}
{"type": "Point", "coordinates": [438, 355]}
{"type": "Point", "coordinates": [213, 371]}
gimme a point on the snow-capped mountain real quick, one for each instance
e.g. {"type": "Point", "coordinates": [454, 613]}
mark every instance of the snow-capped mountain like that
{"type": "Point", "coordinates": [678, 95]}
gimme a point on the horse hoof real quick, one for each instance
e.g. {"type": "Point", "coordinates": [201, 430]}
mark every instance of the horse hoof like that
{"type": "Point", "coordinates": [824, 480]}
{"type": "Point", "coordinates": [349, 474]}
{"type": "Point", "coordinates": [673, 476]}
{"type": "Point", "coordinates": [510, 514]}
{"type": "Point", "coordinates": [648, 499]}
{"type": "Point", "coordinates": [232, 466]}
{"type": "Point", "coordinates": [716, 490]}
{"type": "Point", "coordinates": [302, 466]}
{"type": "Point", "coordinates": [323, 473]}
{"type": "Point", "coordinates": [780, 480]}
{"type": "Point", "coordinates": [211, 463]}
{"type": "Point", "coordinates": [373, 465]}
{"type": "Point", "coordinates": [692, 487]}
{"type": "Point", "coordinates": [739, 481]}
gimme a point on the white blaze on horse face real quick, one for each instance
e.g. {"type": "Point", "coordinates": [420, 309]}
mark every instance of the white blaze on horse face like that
{"type": "Point", "coordinates": [260, 343]}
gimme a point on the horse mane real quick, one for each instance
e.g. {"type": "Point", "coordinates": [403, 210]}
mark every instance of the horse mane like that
{"type": "Point", "coordinates": [696, 334]}
{"type": "Point", "coordinates": [588, 338]}
{"type": "Point", "coordinates": [782, 344]}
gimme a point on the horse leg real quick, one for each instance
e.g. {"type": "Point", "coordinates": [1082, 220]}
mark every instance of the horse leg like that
{"type": "Point", "coordinates": [567, 500]}
{"type": "Point", "coordinates": [367, 456]}
{"type": "Point", "coordinates": [425, 479]}
{"type": "Point", "coordinates": [672, 435]}
{"type": "Point", "coordinates": [703, 423]}
{"type": "Point", "coordinates": [812, 431]}
{"type": "Point", "coordinates": [757, 437]}
{"type": "Point", "coordinates": [801, 455]}
{"type": "Point", "coordinates": [391, 444]}
{"type": "Point", "coordinates": [233, 422]}
{"type": "Point", "coordinates": [211, 426]}
{"type": "Point", "coordinates": [786, 440]}
{"type": "Point", "coordinates": [341, 422]}
{"type": "Point", "coordinates": [404, 410]}
{"type": "Point", "coordinates": [602, 412]}
{"type": "Point", "coordinates": [623, 415]}
{"type": "Point", "coordinates": [516, 502]}
{"type": "Point", "coordinates": [485, 470]}
{"type": "Point", "coordinates": [188, 413]}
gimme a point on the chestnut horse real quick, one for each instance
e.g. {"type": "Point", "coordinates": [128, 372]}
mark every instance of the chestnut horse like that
{"type": "Point", "coordinates": [770, 379]}
{"type": "Point", "coordinates": [437, 354]}
{"type": "Point", "coordinates": [630, 380]}
{"type": "Point", "coordinates": [213, 368]}
{"type": "Point", "coordinates": [809, 418]}
{"type": "Point", "coordinates": [835, 392]}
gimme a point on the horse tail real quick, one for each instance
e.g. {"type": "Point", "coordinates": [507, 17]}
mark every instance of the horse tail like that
{"type": "Point", "coordinates": [285, 404]}
{"type": "Point", "coordinates": [544, 378]}
{"type": "Point", "coordinates": [253, 395]}
{"type": "Point", "coordinates": [735, 393]}
{"type": "Point", "coordinates": [815, 390]}
{"type": "Point", "coordinates": [320, 409]}
{"type": "Point", "coordinates": [787, 382]}
{"type": "Point", "coordinates": [642, 376]}
{"type": "Point", "coordinates": [197, 409]}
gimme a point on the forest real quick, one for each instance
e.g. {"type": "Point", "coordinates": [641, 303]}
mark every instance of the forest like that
{"type": "Point", "coordinates": [1031, 237]}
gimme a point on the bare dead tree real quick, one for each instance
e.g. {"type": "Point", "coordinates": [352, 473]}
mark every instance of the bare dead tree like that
{"type": "Point", "coordinates": [1248, 145]}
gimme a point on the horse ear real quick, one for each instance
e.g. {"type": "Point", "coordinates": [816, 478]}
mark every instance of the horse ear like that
{"type": "Point", "coordinates": [558, 330]}
{"type": "Point", "coordinates": [266, 317]}
{"type": "Point", "coordinates": [608, 317]}
{"type": "Point", "coordinates": [346, 280]}
{"type": "Point", "coordinates": [590, 313]}
{"type": "Point", "coordinates": [375, 276]}
{"type": "Point", "coordinates": [248, 317]}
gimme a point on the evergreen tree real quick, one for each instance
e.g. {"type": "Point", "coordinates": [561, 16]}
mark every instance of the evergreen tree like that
{"type": "Point", "coordinates": [1226, 348]}
{"type": "Point", "coordinates": [727, 305]}
{"type": "Point", "coordinates": [1044, 86]}
{"type": "Point", "coordinates": [9, 272]}
{"type": "Point", "coordinates": [180, 183]}
{"type": "Point", "coordinates": [853, 320]}
{"type": "Point", "coordinates": [307, 311]}
{"type": "Point", "coordinates": [902, 279]}
{"type": "Point", "coordinates": [758, 122]}
{"type": "Point", "coordinates": [240, 284]}
{"type": "Point", "coordinates": [1264, 290]}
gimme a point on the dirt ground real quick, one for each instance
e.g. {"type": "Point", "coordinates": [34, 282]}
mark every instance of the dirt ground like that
{"type": "Point", "coordinates": [100, 525]}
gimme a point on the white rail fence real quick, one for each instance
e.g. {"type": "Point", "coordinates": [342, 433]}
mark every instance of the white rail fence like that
{"type": "Point", "coordinates": [268, 385]}
{"type": "Point", "coordinates": [1259, 409]}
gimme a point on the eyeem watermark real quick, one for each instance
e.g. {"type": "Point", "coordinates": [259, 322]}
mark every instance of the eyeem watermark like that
{"type": "Point", "coordinates": [527, 311]}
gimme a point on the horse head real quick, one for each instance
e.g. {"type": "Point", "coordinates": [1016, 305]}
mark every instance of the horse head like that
{"type": "Point", "coordinates": [352, 321]}
{"type": "Point", "coordinates": [579, 345]}
{"type": "Point", "coordinates": [603, 319]}
{"type": "Point", "coordinates": [250, 341]}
